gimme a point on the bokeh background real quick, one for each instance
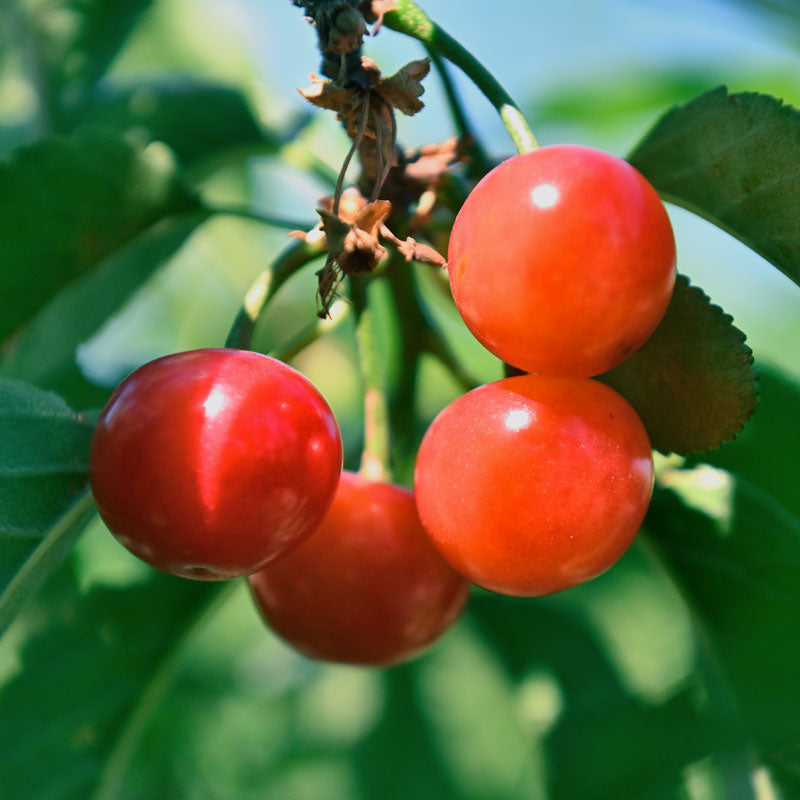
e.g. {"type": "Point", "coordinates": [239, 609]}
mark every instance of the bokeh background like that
{"type": "Point", "coordinates": [580, 696]}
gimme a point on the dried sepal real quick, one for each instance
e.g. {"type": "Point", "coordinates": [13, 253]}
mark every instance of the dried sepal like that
{"type": "Point", "coordinates": [352, 247]}
{"type": "Point", "coordinates": [413, 250]}
{"type": "Point", "coordinates": [403, 89]}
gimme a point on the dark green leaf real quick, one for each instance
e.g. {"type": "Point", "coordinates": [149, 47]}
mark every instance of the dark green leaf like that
{"type": "Point", "coordinates": [196, 120]}
{"type": "Point", "coordinates": [692, 382]}
{"type": "Point", "coordinates": [76, 41]}
{"type": "Point", "coordinates": [43, 352]}
{"type": "Point", "coordinates": [766, 451]}
{"type": "Point", "coordinates": [44, 503]}
{"type": "Point", "coordinates": [67, 203]}
{"type": "Point", "coordinates": [403, 733]}
{"type": "Point", "coordinates": [735, 160]}
{"type": "Point", "coordinates": [88, 683]}
{"type": "Point", "coordinates": [626, 747]}
{"type": "Point", "coordinates": [740, 577]}
{"type": "Point", "coordinates": [44, 451]}
{"type": "Point", "coordinates": [25, 561]}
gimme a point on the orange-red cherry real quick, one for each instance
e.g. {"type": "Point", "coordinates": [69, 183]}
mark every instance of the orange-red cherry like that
{"type": "Point", "coordinates": [533, 484]}
{"type": "Point", "coordinates": [367, 587]}
{"type": "Point", "coordinates": [562, 261]}
{"type": "Point", "coordinates": [210, 463]}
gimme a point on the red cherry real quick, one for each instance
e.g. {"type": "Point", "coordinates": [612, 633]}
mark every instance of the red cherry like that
{"type": "Point", "coordinates": [562, 261]}
{"type": "Point", "coordinates": [210, 463]}
{"type": "Point", "coordinates": [368, 587]}
{"type": "Point", "coordinates": [531, 484]}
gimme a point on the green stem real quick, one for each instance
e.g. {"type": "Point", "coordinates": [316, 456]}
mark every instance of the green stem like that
{"type": "Point", "coordinates": [242, 212]}
{"type": "Point", "coordinates": [408, 18]}
{"type": "Point", "coordinates": [412, 326]}
{"type": "Point", "coordinates": [478, 161]}
{"type": "Point", "coordinates": [339, 312]}
{"type": "Point", "coordinates": [375, 457]}
{"type": "Point", "coordinates": [264, 288]}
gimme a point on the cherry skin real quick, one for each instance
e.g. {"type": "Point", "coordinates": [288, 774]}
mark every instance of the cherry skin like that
{"type": "Point", "coordinates": [533, 484]}
{"type": "Point", "coordinates": [367, 587]}
{"type": "Point", "coordinates": [210, 463]}
{"type": "Point", "coordinates": [562, 261]}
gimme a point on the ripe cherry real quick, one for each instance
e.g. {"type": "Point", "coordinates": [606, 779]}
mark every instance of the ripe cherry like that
{"type": "Point", "coordinates": [367, 587]}
{"type": "Point", "coordinates": [562, 261]}
{"type": "Point", "coordinates": [533, 484]}
{"type": "Point", "coordinates": [210, 463]}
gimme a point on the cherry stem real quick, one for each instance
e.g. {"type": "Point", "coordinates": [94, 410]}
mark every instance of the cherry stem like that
{"type": "Point", "coordinates": [478, 163]}
{"type": "Point", "coordinates": [264, 288]}
{"type": "Point", "coordinates": [408, 18]}
{"type": "Point", "coordinates": [375, 456]}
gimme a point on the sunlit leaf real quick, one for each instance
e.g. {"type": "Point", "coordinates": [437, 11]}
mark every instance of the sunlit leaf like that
{"type": "Point", "coordinates": [735, 160]}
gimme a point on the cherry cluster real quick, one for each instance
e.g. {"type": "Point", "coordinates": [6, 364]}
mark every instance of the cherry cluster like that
{"type": "Point", "coordinates": [223, 463]}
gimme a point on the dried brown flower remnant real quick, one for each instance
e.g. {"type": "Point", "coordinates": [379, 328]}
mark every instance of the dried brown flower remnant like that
{"type": "Point", "coordinates": [401, 90]}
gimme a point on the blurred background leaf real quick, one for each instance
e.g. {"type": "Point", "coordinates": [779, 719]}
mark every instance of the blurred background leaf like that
{"type": "Point", "coordinates": [196, 119]}
{"type": "Point", "coordinates": [739, 574]}
{"type": "Point", "coordinates": [88, 679]}
{"type": "Point", "coordinates": [74, 42]}
{"type": "Point", "coordinates": [94, 192]}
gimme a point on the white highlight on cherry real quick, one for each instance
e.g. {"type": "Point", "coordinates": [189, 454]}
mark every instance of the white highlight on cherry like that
{"type": "Point", "coordinates": [518, 419]}
{"type": "Point", "coordinates": [215, 403]}
{"type": "Point", "coordinates": [545, 195]}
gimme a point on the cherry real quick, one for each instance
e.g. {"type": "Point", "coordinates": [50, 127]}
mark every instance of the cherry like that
{"type": "Point", "coordinates": [562, 261]}
{"type": "Point", "coordinates": [368, 587]}
{"type": "Point", "coordinates": [533, 484]}
{"type": "Point", "coordinates": [210, 463]}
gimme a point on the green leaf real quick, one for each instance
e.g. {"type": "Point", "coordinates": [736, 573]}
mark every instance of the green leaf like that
{"type": "Point", "coordinates": [76, 42]}
{"type": "Point", "coordinates": [89, 682]}
{"type": "Point", "coordinates": [693, 382]}
{"type": "Point", "coordinates": [43, 352]}
{"type": "Point", "coordinates": [44, 503]}
{"type": "Point", "coordinates": [735, 160]}
{"type": "Point", "coordinates": [766, 451]}
{"type": "Point", "coordinates": [740, 577]}
{"type": "Point", "coordinates": [44, 453]}
{"type": "Point", "coordinates": [196, 119]}
{"type": "Point", "coordinates": [67, 203]}
{"type": "Point", "coordinates": [626, 747]}
{"type": "Point", "coordinates": [403, 732]}
{"type": "Point", "coordinates": [26, 562]}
